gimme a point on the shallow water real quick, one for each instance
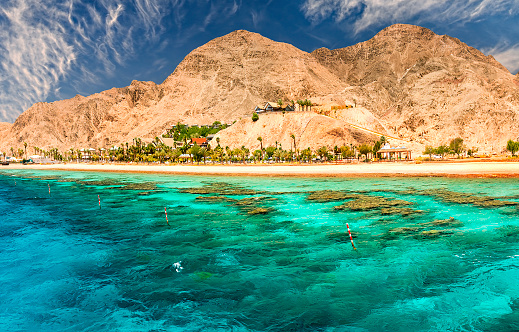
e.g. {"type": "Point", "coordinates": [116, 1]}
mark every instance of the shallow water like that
{"type": "Point", "coordinates": [279, 262]}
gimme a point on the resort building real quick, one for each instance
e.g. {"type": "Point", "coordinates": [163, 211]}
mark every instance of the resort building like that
{"type": "Point", "coordinates": [200, 141]}
{"type": "Point", "coordinates": [398, 153]}
{"type": "Point", "coordinates": [274, 107]}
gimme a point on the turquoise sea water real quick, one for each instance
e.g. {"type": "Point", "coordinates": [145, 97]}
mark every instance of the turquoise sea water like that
{"type": "Point", "coordinates": [257, 254]}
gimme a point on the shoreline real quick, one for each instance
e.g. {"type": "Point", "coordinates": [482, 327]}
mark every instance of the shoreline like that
{"type": "Point", "coordinates": [473, 169]}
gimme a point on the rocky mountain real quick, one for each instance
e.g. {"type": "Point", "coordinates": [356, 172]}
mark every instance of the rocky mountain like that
{"type": "Point", "coordinates": [405, 82]}
{"type": "Point", "coordinates": [428, 88]}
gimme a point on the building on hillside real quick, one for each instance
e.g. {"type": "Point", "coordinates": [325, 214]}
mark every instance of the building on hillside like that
{"type": "Point", "coordinates": [170, 141]}
{"type": "Point", "coordinates": [398, 153]}
{"type": "Point", "coordinates": [340, 107]}
{"type": "Point", "coordinates": [200, 141]}
{"type": "Point", "coordinates": [274, 107]}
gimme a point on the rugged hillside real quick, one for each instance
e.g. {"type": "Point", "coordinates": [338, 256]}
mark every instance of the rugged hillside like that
{"type": "Point", "coordinates": [428, 88]}
{"type": "Point", "coordinates": [230, 75]}
{"type": "Point", "coordinates": [222, 80]}
{"type": "Point", "coordinates": [406, 82]}
{"type": "Point", "coordinates": [309, 129]}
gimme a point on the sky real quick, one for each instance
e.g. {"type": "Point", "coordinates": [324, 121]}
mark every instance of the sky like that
{"type": "Point", "coordinates": [55, 49]}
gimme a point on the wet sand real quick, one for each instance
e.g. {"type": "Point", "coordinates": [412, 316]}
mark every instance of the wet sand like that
{"type": "Point", "coordinates": [447, 169]}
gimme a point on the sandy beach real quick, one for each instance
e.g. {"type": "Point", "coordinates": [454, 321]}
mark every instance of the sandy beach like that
{"type": "Point", "coordinates": [448, 169]}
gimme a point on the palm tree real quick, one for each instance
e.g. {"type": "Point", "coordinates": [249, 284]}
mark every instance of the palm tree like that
{"type": "Point", "coordinates": [294, 138]}
{"type": "Point", "coordinates": [323, 152]}
{"type": "Point", "coordinates": [260, 139]}
{"type": "Point", "coordinates": [204, 153]}
{"type": "Point", "coordinates": [258, 155]}
{"type": "Point", "coordinates": [25, 147]}
{"type": "Point", "coordinates": [278, 154]}
{"type": "Point", "coordinates": [218, 141]}
{"type": "Point", "coordinates": [300, 103]}
{"type": "Point", "coordinates": [245, 153]}
{"type": "Point", "coordinates": [383, 140]}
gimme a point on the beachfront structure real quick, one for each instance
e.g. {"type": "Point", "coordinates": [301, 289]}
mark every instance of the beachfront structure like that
{"type": "Point", "coordinates": [398, 153]}
{"type": "Point", "coordinates": [274, 107]}
{"type": "Point", "coordinates": [200, 141]}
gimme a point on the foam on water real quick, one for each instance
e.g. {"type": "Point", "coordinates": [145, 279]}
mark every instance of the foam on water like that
{"type": "Point", "coordinates": [277, 263]}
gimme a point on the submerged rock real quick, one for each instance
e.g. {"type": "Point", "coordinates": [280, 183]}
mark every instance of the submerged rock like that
{"type": "Point", "coordinates": [402, 211]}
{"type": "Point", "coordinates": [221, 188]}
{"type": "Point", "coordinates": [140, 186]}
{"type": "Point", "coordinates": [251, 205]}
{"type": "Point", "coordinates": [104, 182]}
{"type": "Point", "coordinates": [366, 203]}
{"type": "Point", "coordinates": [451, 222]}
{"type": "Point", "coordinates": [468, 198]}
{"type": "Point", "coordinates": [405, 230]}
{"type": "Point", "coordinates": [434, 233]}
{"type": "Point", "coordinates": [260, 210]}
{"type": "Point", "coordinates": [324, 196]}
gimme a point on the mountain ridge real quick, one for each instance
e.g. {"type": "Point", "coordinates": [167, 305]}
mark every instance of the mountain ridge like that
{"type": "Point", "coordinates": [406, 81]}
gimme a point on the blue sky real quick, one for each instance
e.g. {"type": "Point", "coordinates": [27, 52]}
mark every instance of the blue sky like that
{"type": "Point", "coordinates": [55, 49]}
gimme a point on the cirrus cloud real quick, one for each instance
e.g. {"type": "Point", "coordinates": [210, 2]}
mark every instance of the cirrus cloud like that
{"type": "Point", "coordinates": [368, 13]}
{"type": "Point", "coordinates": [43, 42]}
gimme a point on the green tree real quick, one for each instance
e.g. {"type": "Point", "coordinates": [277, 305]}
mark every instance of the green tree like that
{"type": "Point", "coordinates": [346, 152]}
{"type": "Point", "coordinates": [441, 150]}
{"type": "Point", "coordinates": [255, 117]}
{"type": "Point", "coordinates": [512, 146]}
{"type": "Point", "coordinates": [294, 139]}
{"type": "Point", "coordinates": [429, 150]}
{"type": "Point", "coordinates": [196, 152]}
{"type": "Point", "coordinates": [456, 146]}
{"type": "Point", "coordinates": [257, 154]}
{"type": "Point", "coordinates": [306, 155]}
{"type": "Point", "coordinates": [260, 139]}
{"type": "Point", "coordinates": [377, 146]}
{"type": "Point", "coordinates": [204, 153]}
{"type": "Point", "coordinates": [365, 150]}
{"type": "Point", "coordinates": [25, 148]}
{"type": "Point", "coordinates": [322, 152]}
{"type": "Point", "coordinates": [270, 151]}
{"type": "Point", "coordinates": [300, 103]}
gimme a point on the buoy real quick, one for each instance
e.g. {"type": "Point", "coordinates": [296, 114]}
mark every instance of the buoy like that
{"type": "Point", "coordinates": [48, 185]}
{"type": "Point", "coordinates": [166, 212]}
{"type": "Point", "coordinates": [351, 238]}
{"type": "Point", "coordinates": [99, 201]}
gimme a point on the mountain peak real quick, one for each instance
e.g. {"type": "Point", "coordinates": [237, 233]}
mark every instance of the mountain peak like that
{"type": "Point", "coordinates": [406, 30]}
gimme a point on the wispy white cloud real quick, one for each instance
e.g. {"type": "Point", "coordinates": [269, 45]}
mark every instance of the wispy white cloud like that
{"type": "Point", "coordinates": [43, 42]}
{"type": "Point", "coordinates": [367, 13]}
{"type": "Point", "coordinates": [34, 55]}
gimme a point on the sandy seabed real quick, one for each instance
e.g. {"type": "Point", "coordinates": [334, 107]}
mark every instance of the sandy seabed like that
{"type": "Point", "coordinates": [448, 169]}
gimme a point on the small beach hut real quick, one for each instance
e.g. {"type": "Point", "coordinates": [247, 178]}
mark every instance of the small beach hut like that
{"type": "Point", "coordinates": [398, 153]}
